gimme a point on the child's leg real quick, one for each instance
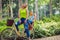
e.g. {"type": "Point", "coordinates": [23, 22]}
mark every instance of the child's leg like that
{"type": "Point", "coordinates": [30, 24]}
{"type": "Point", "coordinates": [27, 30]}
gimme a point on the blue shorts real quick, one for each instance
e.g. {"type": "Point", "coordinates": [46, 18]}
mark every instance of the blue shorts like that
{"type": "Point", "coordinates": [22, 20]}
{"type": "Point", "coordinates": [29, 21]}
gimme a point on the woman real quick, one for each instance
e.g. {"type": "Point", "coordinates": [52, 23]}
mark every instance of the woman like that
{"type": "Point", "coordinates": [22, 15]}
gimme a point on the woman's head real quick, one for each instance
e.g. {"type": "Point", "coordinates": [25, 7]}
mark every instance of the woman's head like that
{"type": "Point", "coordinates": [24, 5]}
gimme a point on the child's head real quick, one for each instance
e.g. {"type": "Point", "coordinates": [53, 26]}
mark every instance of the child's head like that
{"type": "Point", "coordinates": [31, 13]}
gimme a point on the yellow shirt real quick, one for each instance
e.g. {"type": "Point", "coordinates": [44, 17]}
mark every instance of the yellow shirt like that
{"type": "Point", "coordinates": [23, 13]}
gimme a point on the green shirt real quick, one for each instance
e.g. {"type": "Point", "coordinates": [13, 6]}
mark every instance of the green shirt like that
{"type": "Point", "coordinates": [22, 13]}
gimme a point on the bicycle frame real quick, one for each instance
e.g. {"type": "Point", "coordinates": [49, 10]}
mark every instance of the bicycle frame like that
{"type": "Point", "coordinates": [14, 28]}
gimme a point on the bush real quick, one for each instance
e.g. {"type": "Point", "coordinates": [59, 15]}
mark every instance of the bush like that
{"type": "Point", "coordinates": [55, 18]}
{"type": "Point", "coordinates": [3, 22]}
{"type": "Point", "coordinates": [45, 19]}
{"type": "Point", "coordinates": [46, 30]}
{"type": "Point", "coordinates": [57, 31]}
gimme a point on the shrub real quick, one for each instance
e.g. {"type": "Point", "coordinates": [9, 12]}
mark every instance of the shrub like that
{"type": "Point", "coordinates": [55, 18]}
{"type": "Point", "coordinates": [51, 29]}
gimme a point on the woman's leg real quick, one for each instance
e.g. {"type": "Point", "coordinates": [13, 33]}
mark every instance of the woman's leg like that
{"type": "Point", "coordinates": [16, 25]}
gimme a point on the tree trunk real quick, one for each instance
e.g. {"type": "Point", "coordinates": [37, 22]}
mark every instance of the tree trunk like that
{"type": "Point", "coordinates": [27, 6]}
{"type": "Point", "coordinates": [59, 6]}
{"type": "Point", "coordinates": [45, 11]}
{"type": "Point", "coordinates": [11, 12]}
{"type": "Point", "coordinates": [50, 4]}
{"type": "Point", "coordinates": [20, 3]}
{"type": "Point", "coordinates": [40, 17]}
{"type": "Point", "coordinates": [10, 5]}
{"type": "Point", "coordinates": [36, 9]}
{"type": "Point", "coordinates": [26, 2]}
{"type": "Point", "coordinates": [0, 9]}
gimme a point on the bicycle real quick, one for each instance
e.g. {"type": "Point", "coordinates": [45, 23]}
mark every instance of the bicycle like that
{"type": "Point", "coordinates": [11, 31]}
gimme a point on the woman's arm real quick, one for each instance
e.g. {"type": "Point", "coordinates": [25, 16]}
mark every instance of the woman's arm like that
{"type": "Point", "coordinates": [19, 13]}
{"type": "Point", "coordinates": [26, 13]}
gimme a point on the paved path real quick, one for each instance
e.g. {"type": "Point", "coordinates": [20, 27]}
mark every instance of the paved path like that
{"type": "Point", "coordinates": [50, 38]}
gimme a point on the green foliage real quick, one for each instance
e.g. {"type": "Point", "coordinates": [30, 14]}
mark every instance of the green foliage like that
{"type": "Point", "coordinates": [43, 28]}
{"type": "Point", "coordinates": [56, 18]}
{"type": "Point", "coordinates": [3, 22]}
{"type": "Point", "coordinates": [53, 18]}
{"type": "Point", "coordinates": [55, 3]}
{"type": "Point", "coordinates": [43, 2]}
{"type": "Point", "coordinates": [2, 25]}
{"type": "Point", "coordinates": [45, 19]}
{"type": "Point", "coordinates": [30, 4]}
{"type": "Point", "coordinates": [57, 31]}
{"type": "Point", "coordinates": [46, 29]}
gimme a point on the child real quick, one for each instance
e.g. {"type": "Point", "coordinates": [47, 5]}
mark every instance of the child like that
{"type": "Point", "coordinates": [31, 20]}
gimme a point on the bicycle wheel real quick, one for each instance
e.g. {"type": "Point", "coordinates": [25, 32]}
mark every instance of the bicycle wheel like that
{"type": "Point", "coordinates": [8, 33]}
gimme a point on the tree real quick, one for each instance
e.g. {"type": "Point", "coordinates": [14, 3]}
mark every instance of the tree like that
{"type": "Point", "coordinates": [27, 6]}
{"type": "Point", "coordinates": [56, 4]}
{"type": "Point", "coordinates": [0, 9]}
{"type": "Point", "coordinates": [50, 4]}
{"type": "Point", "coordinates": [20, 3]}
{"type": "Point", "coordinates": [36, 9]}
{"type": "Point", "coordinates": [43, 2]}
{"type": "Point", "coordinates": [42, 7]}
{"type": "Point", "coordinates": [5, 8]}
{"type": "Point", "coordinates": [10, 5]}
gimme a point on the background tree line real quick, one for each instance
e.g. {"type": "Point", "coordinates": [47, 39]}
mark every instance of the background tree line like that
{"type": "Point", "coordinates": [43, 8]}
